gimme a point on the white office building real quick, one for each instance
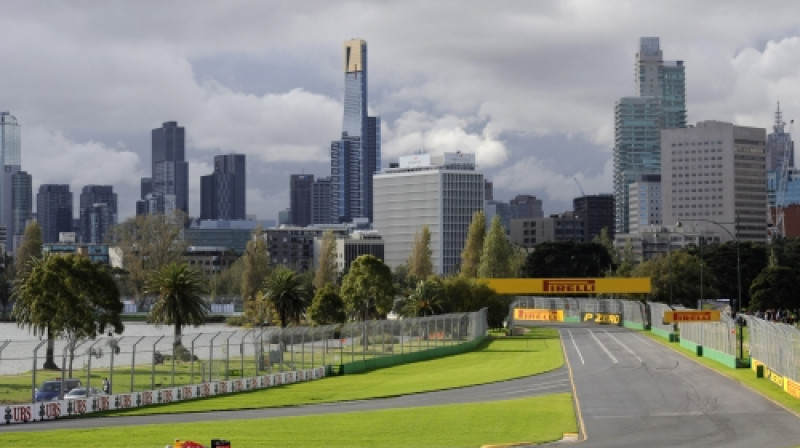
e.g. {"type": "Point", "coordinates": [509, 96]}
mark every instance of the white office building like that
{"type": "Point", "coordinates": [714, 176]}
{"type": "Point", "coordinates": [442, 192]}
{"type": "Point", "coordinates": [645, 202]}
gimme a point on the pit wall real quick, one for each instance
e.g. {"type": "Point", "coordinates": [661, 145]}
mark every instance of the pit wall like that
{"type": "Point", "coordinates": [51, 410]}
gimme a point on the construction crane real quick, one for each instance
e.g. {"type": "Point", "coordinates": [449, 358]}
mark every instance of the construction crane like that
{"type": "Point", "coordinates": [579, 185]}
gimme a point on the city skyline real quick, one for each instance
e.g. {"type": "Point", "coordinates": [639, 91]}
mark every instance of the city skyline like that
{"type": "Point", "coordinates": [531, 97]}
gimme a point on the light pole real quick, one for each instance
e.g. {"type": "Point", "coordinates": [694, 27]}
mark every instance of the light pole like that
{"type": "Point", "coordinates": [738, 306]}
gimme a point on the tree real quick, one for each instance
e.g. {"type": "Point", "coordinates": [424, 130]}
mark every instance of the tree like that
{"type": "Point", "coordinates": [427, 298]}
{"type": "Point", "coordinates": [148, 243]}
{"type": "Point", "coordinates": [564, 259]}
{"type": "Point", "coordinates": [775, 287]}
{"type": "Point", "coordinates": [256, 267]}
{"type": "Point", "coordinates": [471, 255]}
{"type": "Point", "coordinates": [604, 239]}
{"type": "Point", "coordinates": [179, 290]}
{"type": "Point", "coordinates": [496, 257]}
{"type": "Point", "coordinates": [327, 272]}
{"type": "Point", "coordinates": [31, 246]}
{"type": "Point", "coordinates": [675, 278]}
{"type": "Point", "coordinates": [229, 281]}
{"type": "Point", "coordinates": [420, 265]}
{"type": "Point", "coordinates": [367, 288]}
{"type": "Point", "coordinates": [327, 306]}
{"type": "Point", "coordinates": [284, 291]}
{"type": "Point", "coordinates": [721, 260]}
{"type": "Point", "coordinates": [66, 294]}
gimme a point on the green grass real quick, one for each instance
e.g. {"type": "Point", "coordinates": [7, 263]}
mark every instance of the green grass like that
{"type": "Point", "coordinates": [498, 359]}
{"type": "Point", "coordinates": [536, 420]}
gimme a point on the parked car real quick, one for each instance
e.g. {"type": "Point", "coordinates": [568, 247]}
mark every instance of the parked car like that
{"type": "Point", "coordinates": [51, 389]}
{"type": "Point", "coordinates": [83, 392]}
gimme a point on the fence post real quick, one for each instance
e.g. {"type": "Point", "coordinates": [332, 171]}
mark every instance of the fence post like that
{"type": "Point", "coordinates": [133, 360]}
{"type": "Point", "coordinates": [113, 346]}
{"type": "Point", "coordinates": [153, 371]}
{"type": "Point", "coordinates": [241, 350]}
{"type": "Point", "coordinates": [191, 360]}
{"type": "Point", "coordinates": [33, 384]}
{"type": "Point", "coordinates": [228, 356]}
{"type": "Point", "coordinates": [211, 357]}
{"type": "Point", "coordinates": [88, 369]}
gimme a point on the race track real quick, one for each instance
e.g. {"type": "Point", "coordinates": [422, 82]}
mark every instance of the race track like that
{"type": "Point", "coordinates": [631, 392]}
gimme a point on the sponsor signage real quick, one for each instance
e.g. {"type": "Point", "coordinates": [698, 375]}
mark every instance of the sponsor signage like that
{"type": "Point", "coordinates": [602, 318]}
{"type": "Point", "coordinates": [62, 408]}
{"type": "Point", "coordinates": [561, 286]}
{"type": "Point", "coordinates": [538, 314]}
{"type": "Point", "coordinates": [685, 316]}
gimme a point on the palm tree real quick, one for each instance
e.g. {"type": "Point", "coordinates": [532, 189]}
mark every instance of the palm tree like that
{"type": "Point", "coordinates": [285, 291]}
{"type": "Point", "coordinates": [426, 299]}
{"type": "Point", "coordinates": [180, 301]}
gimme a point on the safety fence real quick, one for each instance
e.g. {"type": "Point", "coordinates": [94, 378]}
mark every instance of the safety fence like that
{"type": "Point", "coordinates": [129, 364]}
{"type": "Point", "coordinates": [776, 346]}
{"type": "Point", "coordinates": [631, 314]}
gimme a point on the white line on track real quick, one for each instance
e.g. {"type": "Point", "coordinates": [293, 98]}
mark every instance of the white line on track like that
{"type": "Point", "coordinates": [603, 346]}
{"type": "Point", "coordinates": [624, 346]}
{"type": "Point", "coordinates": [576, 346]}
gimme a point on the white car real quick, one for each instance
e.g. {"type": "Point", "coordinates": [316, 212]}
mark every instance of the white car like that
{"type": "Point", "coordinates": [82, 393]}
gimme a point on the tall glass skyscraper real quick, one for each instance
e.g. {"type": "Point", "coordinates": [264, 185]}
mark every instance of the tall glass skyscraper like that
{"type": "Point", "coordinates": [660, 104]}
{"type": "Point", "coordinates": [223, 192]}
{"type": "Point", "coordinates": [168, 188]}
{"type": "Point", "coordinates": [10, 155]}
{"type": "Point", "coordinates": [357, 155]}
{"type": "Point", "coordinates": [98, 212]}
{"type": "Point", "coordinates": [54, 211]}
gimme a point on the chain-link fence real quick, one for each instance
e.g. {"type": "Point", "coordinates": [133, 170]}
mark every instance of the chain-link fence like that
{"type": "Point", "coordinates": [775, 344]}
{"type": "Point", "coordinates": [139, 363]}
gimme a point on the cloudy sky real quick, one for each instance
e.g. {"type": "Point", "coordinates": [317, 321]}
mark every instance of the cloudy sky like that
{"type": "Point", "coordinates": [529, 86]}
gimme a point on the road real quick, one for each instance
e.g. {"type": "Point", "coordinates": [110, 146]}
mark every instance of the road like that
{"type": "Point", "coordinates": [631, 392]}
{"type": "Point", "coordinates": [634, 392]}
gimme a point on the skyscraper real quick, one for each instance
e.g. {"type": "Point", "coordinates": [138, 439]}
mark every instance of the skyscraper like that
{"type": "Point", "coordinates": [168, 187]}
{"type": "Point", "coordinates": [300, 197]}
{"type": "Point", "coordinates": [223, 193]}
{"type": "Point", "coordinates": [597, 213]}
{"type": "Point", "coordinates": [98, 212]}
{"type": "Point", "coordinates": [357, 155]}
{"type": "Point", "coordinates": [321, 201]}
{"type": "Point", "coordinates": [54, 211]}
{"type": "Point", "coordinates": [10, 155]}
{"type": "Point", "coordinates": [780, 160]}
{"type": "Point", "coordinates": [660, 104]}
{"type": "Point", "coordinates": [22, 206]}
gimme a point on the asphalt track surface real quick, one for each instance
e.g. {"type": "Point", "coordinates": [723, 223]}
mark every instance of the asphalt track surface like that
{"type": "Point", "coordinates": [631, 392]}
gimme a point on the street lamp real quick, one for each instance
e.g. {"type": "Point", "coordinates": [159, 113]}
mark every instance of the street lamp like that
{"type": "Point", "coordinates": [738, 305]}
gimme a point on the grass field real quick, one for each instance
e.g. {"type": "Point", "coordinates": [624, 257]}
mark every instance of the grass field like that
{"type": "Point", "coordinates": [496, 360]}
{"type": "Point", "coordinates": [539, 419]}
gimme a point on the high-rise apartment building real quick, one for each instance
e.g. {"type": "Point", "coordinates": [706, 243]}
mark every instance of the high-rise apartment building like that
{"type": "Point", "coordinates": [168, 187]}
{"type": "Point", "coordinates": [98, 212]}
{"type": "Point", "coordinates": [321, 201]}
{"type": "Point", "coordinates": [440, 192]}
{"type": "Point", "coordinates": [716, 172]}
{"type": "Point", "coordinates": [357, 155]}
{"type": "Point", "coordinates": [223, 192]}
{"type": "Point", "coordinates": [660, 104]}
{"type": "Point", "coordinates": [300, 192]}
{"type": "Point", "coordinates": [54, 211]}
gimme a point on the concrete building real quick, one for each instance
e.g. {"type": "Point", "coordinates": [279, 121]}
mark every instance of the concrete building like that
{"type": "Point", "coordinates": [233, 235]}
{"type": "Point", "coordinates": [293, 247]}
{"type": "Point", "coordinates": [644, 206]}
{"type": "Point", "coordinates": [223, 193]}
{"type": "Point", "coordinates": [716, 172]}
{"type": "Point", "coordinates": [528, 232]}
{"type": "Point", "coordinates": [54, 211]}
{"type": "Point", "coordinates": [321, 201]}
{"type": "Point", "coordinates": [442, 192]}
{"type": "Point", "coordinates": [351, 246]}
{"type": "Point", "coordinates": [98, 213]}
{"type": "Point", "coordinates": [526, 206]}
{"type": "Point", "coordinates": [210, 259]}
{"type": "Point", "coordinates": [654, 241]}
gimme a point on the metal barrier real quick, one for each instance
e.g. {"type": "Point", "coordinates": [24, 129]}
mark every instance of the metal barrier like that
{"type": "Point", "coordinates": [139, 363]}
{"type": "Point", "coordinates": [776, 345]}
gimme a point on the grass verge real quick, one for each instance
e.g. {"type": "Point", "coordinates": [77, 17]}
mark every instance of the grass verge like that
{"type": "Point", "coordinates": [498, 359]}
{"type": "Point", "coordinates": [534, 420]}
